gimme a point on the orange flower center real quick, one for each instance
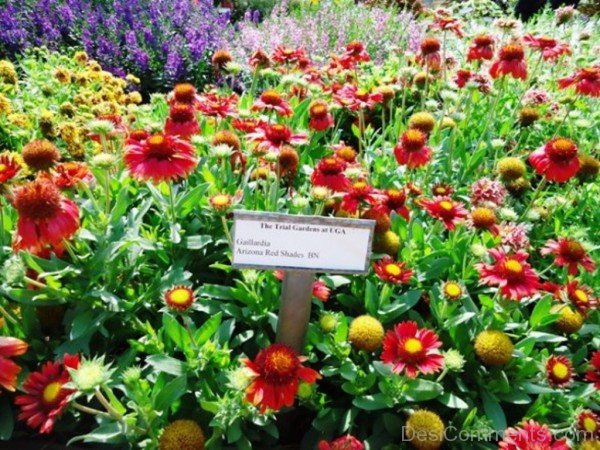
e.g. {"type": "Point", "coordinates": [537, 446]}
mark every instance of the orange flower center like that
{"type": "Point", "coordinates": [513, 268]}
{"type": "Point", "coordinates": [180, 296]}
{"type": "Point", "coordinates": [581, 296]}
{"type": "Point", "coordinates": [430, 45]}
{"type": "Point", "coordinates": [452, 290]}
{"type": "Point", "coordinates": [446, 206]}
{"type": "Point", "coordinates": [483, 41]}
{"type": "Point", "coordinates": [318, 110]}
{"type": "Point", "coordinates": [51, 392]}
{"type": "Point", "coordinates": [560, 371]}
{"type": "Point", "coordinates": [181, 112]}
{"type": "Point", "coordinates": [347, 153]}
{"type": "Point", "coordinates": [281, 363]}
{"type": "Point", "coordinates": [3, 167]}
{"type": "Point", "coordinates": [512, 52]}
{"type": "Point", "coordinates": [220, 201]}
{"type": "Point", "coordinates": [546, 41]}
{"type": "Point", "coordinates": [483, 217]}
{"type": "Point", "coordinates": [38, 200]}
{"type": "Point", "coordinates": [271, 97]}
{"type": "Point", "coordinates": [393, 269]}
{"type": "Point", "coordinates": [360, 185]}
{"type": "Point", "coordinates": [573, 251]}
{"type": "Point", "coordinates": [590, 424]}
{"type": "Point", "coordinates": [184, 92]}
{"type": "Point", "coordinates": [562, 150]}
{"type": "Point", "coordinates": [413, 140]}
{"type": "Point", "coordinates": [413, 346]}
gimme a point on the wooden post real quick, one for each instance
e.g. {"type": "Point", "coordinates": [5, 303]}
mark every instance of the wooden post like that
{"type": "Point", "coordinates": [294, 312]}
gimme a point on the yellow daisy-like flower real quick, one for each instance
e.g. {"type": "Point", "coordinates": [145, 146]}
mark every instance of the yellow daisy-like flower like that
{"type": "Point", "coordinates": [81, 58]}
{"type": "Point", "coordinates": [8, 74]}
{"type": "Point", "coordinates": [590, 445]}
{"type": "Point", "coordinates": [179, 298]}
{"type": "Point", "coordinates": [452, 290]}
{"type": "Point", "coordinates": [182, 435]}
{"type": "Point", "coordinates": [366, 333]}
{"type": "Point", "coordinates": [5, 105]}
{"type": "Point", "coordinates": [425, 430]}
{"type": "Point", "coordinates": [494, 347]}
{"type": "Point", "coordinates": [220, 202]}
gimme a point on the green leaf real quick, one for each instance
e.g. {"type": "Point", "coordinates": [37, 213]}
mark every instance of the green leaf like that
{"type": "Point", "coordinates": [177, 332]}
{"type": "Point", "coordinates": [452, 401]}
{"type": "Point", "coordinates": [371, 402]}
{"type": "Point", "coordinates": [208, 329]}
{"type": "Point", "coordinates": [422, 390]}
{"type": "Point", "coordinates": [7, 421]}
{"type": "Point", "coordinates": [541, 310]}
{"type": "Point", "coordinates": [494, 411]}
{"type": "Point", "coordinates": [166, 364]}
{"type": "Point", "coordinates": [170, 393]}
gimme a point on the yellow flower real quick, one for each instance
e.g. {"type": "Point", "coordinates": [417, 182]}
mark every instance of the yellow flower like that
{"type": "Point", "coordinates": [425, 430]}
{"type": "Point", "coordinates": [387, 242]}
{"type": "Point", "coordinates": [366, 333]}
{"type": "Point", "coordinates": [452, 290]}
{"type": "Point", "coordinates": [494, 347]}
{"type": "Point", "coordinates": [511, 168]}
{"type": "Point", "coordinates": [132, 79]}
{"type": "Point", "coordinates": [62, 75]}
{"type": "Point", "coordinates": [8, 74]}
{"type": "Point", "coordinates": [590, 445]}
{"type": "Point", "coordinates": [5, 105]}
{"type": "Point", "coordinates": [422, 121]}
{"type": "Point", "coordinates": [81, 58]}
{"type": "Point", "coordinates": [570, 320]}
{"type": "Point", "coordinates": [182, 435]}
{"type": "Point", "coordinates": [19, 120]}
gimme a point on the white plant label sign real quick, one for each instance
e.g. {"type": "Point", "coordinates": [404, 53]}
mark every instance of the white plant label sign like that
{"type": "Point", "coordinates": [318, 244]}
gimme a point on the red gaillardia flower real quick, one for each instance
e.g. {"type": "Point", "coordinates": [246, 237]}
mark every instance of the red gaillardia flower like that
{"type": "Point", "coordinates": [160, 158]}
{"type": "Point", "coordinates": [569, 253]}
{"type": "Point", "coordinates": [182, 121]}
{"type": "Point", "coordinates": [395, 200]}
{"type": "Point", "coordinates": [10, 346]}
{"type": "Point", "coordinates": [586, 81]}
{"type": "Point", "coordinates": [330, 173]}
{"type": "Point", "coordinates": [359, 192]}
{"type": "Point", "coordinates": [271, 100]}
{"type": "Point", "coordinates": [285, 55]}
{"type": "Point", "coordinates": [46, 396]}
{"type": "Point", "coordinates": [593, 373]}
{"type": "Point", "coordinates": [482, 48]}
{"type": "Point", "coordinates": [354, 98]}
{"type": "Point", "coordinates": [215, 105]}
{"type": "Point", "coordinates": [320, 117]}
{"type": "Point", "coordinates": [320, 290]}
{"type": "Point", "coordinates": [550, 48]}
{"type": "Point", "coordinates": [355, 53]}
{"type": "Point", "coordinates": [589, 423]}
{"type": "Point", "coordinates": [581, 296]}
{"type": "Point", "coordinates": [557, 160]}
{"type": "Point", "coordinates": [445, 209]}
{"type": "Point", "coordinates": [412, 350]}
{"type": "Point", "coordinates": [70, 174]}
{"type": "Point", "coordinates": [342, 443]}
{"type": "Point", "coordinates": [511, 61]}
{"type": "Point", "coordinates": [277, 370]}
{"type": "Point", "coordinates": [559, 371]}
{"type": "Point", "coordinates": [531, 435]}
{"type": "Point", "coordinates": [179, 298]}
{"type": "Point", "coordinates": [430, 53]}
{"type": "Point", "coordinates": [448, 23]}
{"type": "Point", "coordinates": [462, 77]}
{"type": "Point", "coordinates": [271, 137]}
{"type": "Point", "coordinates": [411, 150]}
{"type": "Point", "coordinates": [46, 217]}
{"type": "Point", "coordinates": [511, 273]}
{"type": "Point", "coordinates": [259, 60]}
{"type": "Point", "coordinates": [392, 271]}
{"type": "Point", "coordinates": [9, 167]}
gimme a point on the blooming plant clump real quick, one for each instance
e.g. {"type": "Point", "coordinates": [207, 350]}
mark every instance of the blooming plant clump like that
{"type": "Point", "coordinates": [470, 143]}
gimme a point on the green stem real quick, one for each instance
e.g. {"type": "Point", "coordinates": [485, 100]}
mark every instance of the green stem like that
{"type": "Point", "coordinates": [536, 194]}
{"type": "Point", "coordinates": [226, 231]}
